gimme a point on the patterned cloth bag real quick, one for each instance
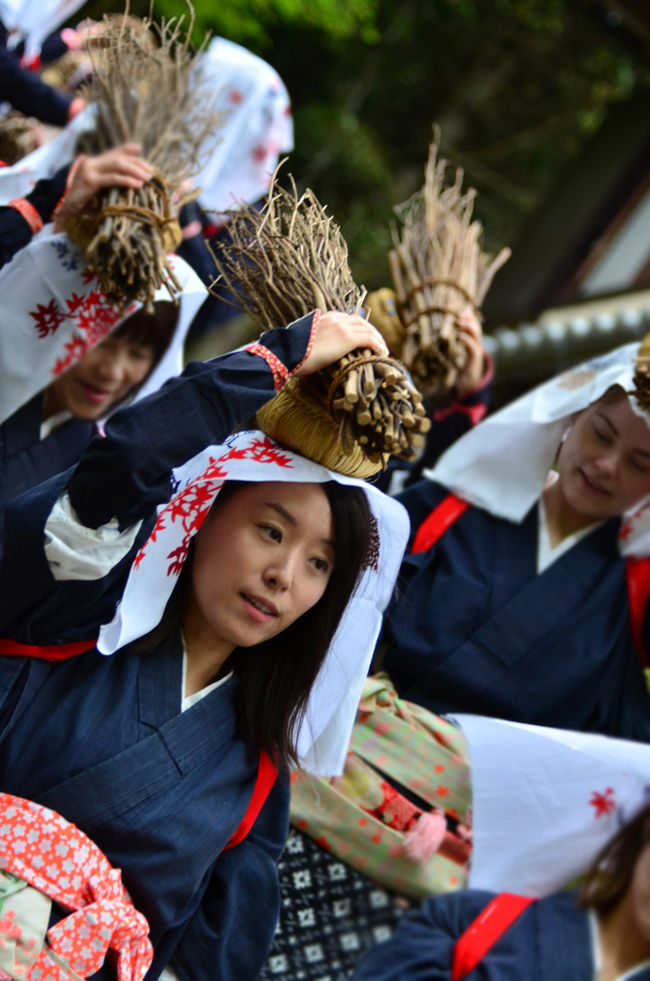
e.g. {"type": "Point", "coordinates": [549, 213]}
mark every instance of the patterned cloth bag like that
{"type": "Point", "coordinates": [401, 811]}
{"type": "Point", "coordinates": [45, 859]}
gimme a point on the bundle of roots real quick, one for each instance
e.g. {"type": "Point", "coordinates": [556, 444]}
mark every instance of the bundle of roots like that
{"type": "Point", "coordinates": [283, 262]}
{"type": "Point", "coordinates": [438, 268]}
{"type": "Point", "coordinates": [146, 89]}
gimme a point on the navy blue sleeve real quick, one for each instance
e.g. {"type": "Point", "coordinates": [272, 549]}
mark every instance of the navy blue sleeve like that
{"type": "Point", "coordinates": [26, 92]}
{"type": "Point", "coordinates": [421, 949]}
{"type": "Point", "coordinates": [230, 935]}
{"type": "Point", "coordinates": [15, 233]}
{"type": "Point", "coordinates": [52, 48]}
{"type": "Point", "coordinates": [127, 472]}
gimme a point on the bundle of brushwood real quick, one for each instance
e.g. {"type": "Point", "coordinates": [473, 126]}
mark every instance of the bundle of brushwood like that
{"type": "Point", "coordinates": [438, 268]}
{"type": "Point", "coordinates": [283, 262]}
{"type": "Point", "coordinates": [146, 89]}
{"type": "Point", "coordinates": [18, 137]}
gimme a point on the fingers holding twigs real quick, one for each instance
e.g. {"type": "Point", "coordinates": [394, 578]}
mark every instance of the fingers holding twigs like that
{"type": "Point", "coordinates": [120, 167]}
{"type": "Point", "coordinates": [337, 334]}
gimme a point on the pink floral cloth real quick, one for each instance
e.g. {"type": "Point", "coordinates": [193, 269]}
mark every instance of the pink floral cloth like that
{"type": "Point", "coordinates": [55, 857]}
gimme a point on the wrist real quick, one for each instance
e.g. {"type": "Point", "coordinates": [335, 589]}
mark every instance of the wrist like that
{"type": "Point", "coordinates": [475, 386]}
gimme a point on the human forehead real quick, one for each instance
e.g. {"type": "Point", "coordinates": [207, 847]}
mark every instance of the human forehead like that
{"type": "Point", "coordinates": [304, 504]}
{"type": "Point", "coordinates": [629, 426]}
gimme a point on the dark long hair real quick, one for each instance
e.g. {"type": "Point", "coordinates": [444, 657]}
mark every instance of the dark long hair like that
{"type": "Point", "coordinates": [611, 873]}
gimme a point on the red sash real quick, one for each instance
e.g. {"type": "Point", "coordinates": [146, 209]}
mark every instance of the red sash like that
{"type": "Point", "coordinates": [481, 935]}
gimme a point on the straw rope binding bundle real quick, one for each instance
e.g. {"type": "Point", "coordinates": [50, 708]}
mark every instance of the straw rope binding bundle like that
{"type": "Point", "coordinates": [642, 374]}
{"type": "Point", "coordinates": [438, 268]}
{"type": "Point", "coordinates": [147, 90]}
{"type": "Point", "coordinates": [284, 261]}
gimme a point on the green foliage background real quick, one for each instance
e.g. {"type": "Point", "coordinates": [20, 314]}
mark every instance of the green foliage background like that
{"type": "Point", "coordinates": [517, 86]}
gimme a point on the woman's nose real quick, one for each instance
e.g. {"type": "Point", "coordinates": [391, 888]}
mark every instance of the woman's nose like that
{"type": "Point", "coordinates": [279, 573]}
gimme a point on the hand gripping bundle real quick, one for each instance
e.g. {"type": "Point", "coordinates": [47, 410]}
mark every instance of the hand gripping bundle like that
{"type": "Point", "coordinates": [438, 268]}
{"type": "Point", "coordinates": [284, 261]}
{"type": "Point", "coordinates": [145, 90]}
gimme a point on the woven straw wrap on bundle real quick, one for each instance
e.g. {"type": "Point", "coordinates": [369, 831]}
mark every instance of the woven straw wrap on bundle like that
{"type": "Point", "coordinates": [146, 89]}
{"type": "Point", "coordinates": [642, 374]}
{"type": "Point", "coordinates": [438, 269]}
{"type": "Point", "coordinates": [299, 421]}
{"type": "Point", "coordinates": [283, 262]}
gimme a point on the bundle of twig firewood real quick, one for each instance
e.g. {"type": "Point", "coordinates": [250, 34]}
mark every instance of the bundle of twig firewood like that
{"type": "Point", "coordinates": [283, 262]}
{"type": "Point", "coordinates": [642, 374]}
{"type": "Point", "coordinates": [438, 268]}
{"type": "Point", "coordinates": [18, 137]}
{"type": "Point", "coordinates": [147, 90]}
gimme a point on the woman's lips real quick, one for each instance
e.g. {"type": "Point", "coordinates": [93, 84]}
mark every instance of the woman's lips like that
{"type": "Point", "coordinates": [96, 395]}
{"type": "Point", "coordinates": [260, 609]}
{"type": "Point", "coordinates": [590, 486]}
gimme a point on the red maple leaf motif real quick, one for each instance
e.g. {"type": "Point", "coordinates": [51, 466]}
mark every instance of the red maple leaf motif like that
{"type": "Point", "coordinates": [48, 318]}
{"type": "Point", "coordinates": [259, 154]}
{"type": "Point", "coordinates": [88, 276]}
{"type": "Point", "coordinates": [74, 303]}
{"type": "Point", "coordinates": [236, 97]}
{"type": "Point", "coordinates": [603, 803]}
{"type": "Point", "coordinates": [178, 556]}
{"type": "Point", "coordinates": [191, 505]}
{"type": "Point", "coordinates": [76, 348]}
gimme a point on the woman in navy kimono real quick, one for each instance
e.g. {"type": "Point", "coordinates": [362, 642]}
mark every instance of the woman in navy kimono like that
{"type": "Point", "coordinates": [154, 753]}
{"type": "Point", "coordinates": [515, 599]}
{"type": "Point", "coordinates": [602, 933]}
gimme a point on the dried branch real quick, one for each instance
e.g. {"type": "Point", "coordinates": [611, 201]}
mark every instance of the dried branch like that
{"type": "Point", "coordinates": [438, 268]}
{"type": "Point", "coordinates": [146, 89]}
{"type": "Point", "coordinates": [284, 261]}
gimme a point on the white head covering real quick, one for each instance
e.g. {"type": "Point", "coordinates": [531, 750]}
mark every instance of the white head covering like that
{"type": "Point", "coordinates": [502, 464]}
{"type": "Point", "coordinates": [545, 801]}
{"type": "Point", "coordinates": [257, 129]}
{"type": "Point", "coordinates": [325, 732]}
{"type": "Point", "coordinates": [45, 160]}
{"type": "Point", "coordinates": [53, 312]}
{"type": "Point", "coordinates": [36, 19]}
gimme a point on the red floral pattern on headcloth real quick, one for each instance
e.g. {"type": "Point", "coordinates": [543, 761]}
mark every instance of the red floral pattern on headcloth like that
{"type": "Point", "coordinates": [92, 318]}
{"type": "Point", "coordinates": [52, 855]}
{"type": "Point", "coordinates": [191, 505]}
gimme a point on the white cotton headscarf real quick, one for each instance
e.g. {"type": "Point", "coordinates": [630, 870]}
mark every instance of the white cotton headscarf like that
{"type": "Point", "coordinates": [502, 464]}
{"type": "Point", "coordinates": [36, 19]}
{"type": "Point", "coordinates": [325, 731]}
{"type": "Point", "coordinates": [545, 801]}
{"type": "Point", "coordinates": [53, 312]}
{"type": "Point", "coordinates": [257, 128]}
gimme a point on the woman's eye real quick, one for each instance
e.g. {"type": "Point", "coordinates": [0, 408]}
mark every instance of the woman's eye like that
{"type": "Point", "coordinates": [141, 354]}
{"type": "Point", "coordinates": [320, 564]}
{"type": "Point", "coordinates": [602, 436]}
{"type": "Point", "coordinates": [639, 467]}
{"type": "Point", "coordinates": [273, 533]}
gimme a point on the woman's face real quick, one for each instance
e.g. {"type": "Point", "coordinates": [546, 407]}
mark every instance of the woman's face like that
{"type": "Point", "coordinates": [100, 379]}
{"type": "Point", "coordinates": [604, 462]}
{"type": "Point", "coordinates": [261, 560]}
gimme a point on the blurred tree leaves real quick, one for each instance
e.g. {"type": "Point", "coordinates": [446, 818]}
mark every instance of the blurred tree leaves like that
{"type": "Point", "coordinates": [517, 86]}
